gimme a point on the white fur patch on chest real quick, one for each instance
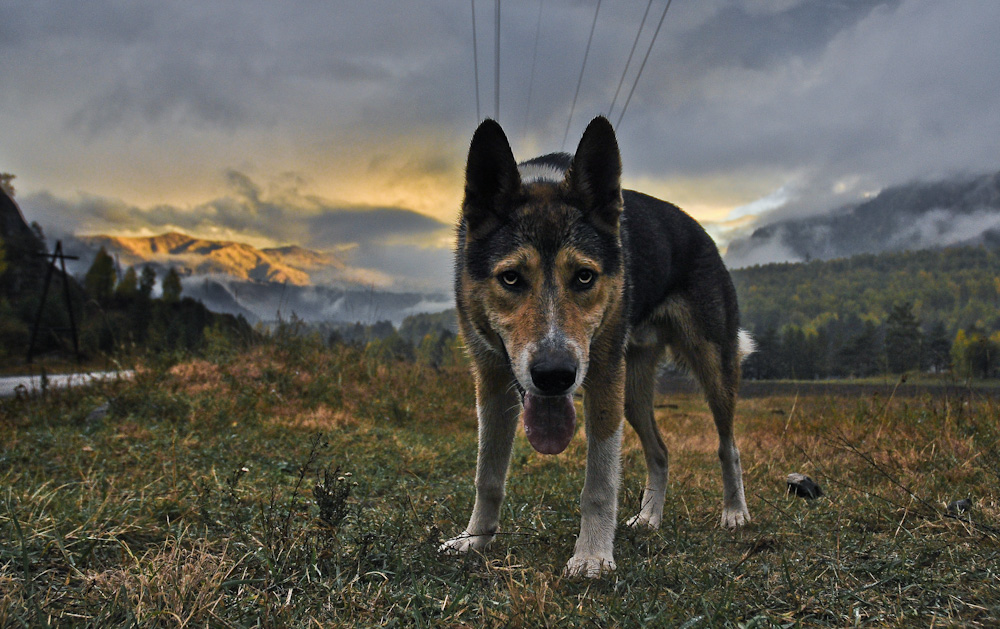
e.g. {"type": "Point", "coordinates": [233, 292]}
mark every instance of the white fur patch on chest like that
{"type": "Point", "coordinates": [531, 173]}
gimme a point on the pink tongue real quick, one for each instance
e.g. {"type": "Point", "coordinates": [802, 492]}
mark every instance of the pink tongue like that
{"type": "Point", "coordinates": [549, 422]}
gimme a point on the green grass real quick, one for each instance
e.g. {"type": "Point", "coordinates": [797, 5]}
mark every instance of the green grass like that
{"type": "Point", "coordinates": [293, 486]}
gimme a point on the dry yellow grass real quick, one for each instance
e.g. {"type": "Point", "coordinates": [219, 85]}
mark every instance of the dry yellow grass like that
{"type": "Point", "coordinates": [192, 503]}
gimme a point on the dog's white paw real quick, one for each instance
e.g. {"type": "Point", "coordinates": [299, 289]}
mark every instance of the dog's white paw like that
{"type": "Point", "coordinates": [461, 544]}
{"type": "Point", "coordinates": [642, 520]}
{"type": "Point", "coordinates": [589, 567]}
{"type": "Point", "coordinates": [734, 518]}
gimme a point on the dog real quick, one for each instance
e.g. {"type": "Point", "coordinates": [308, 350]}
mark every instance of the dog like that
{"type": "Point", "coordinates": [563, 281]}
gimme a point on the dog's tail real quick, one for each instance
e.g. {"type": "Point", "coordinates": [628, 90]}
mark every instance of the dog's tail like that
{"type": "Point", "coordinates": [746, 345]}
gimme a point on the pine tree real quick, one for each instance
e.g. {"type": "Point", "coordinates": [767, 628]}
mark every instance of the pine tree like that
{"type": "Point", "coordinates": [100, 278]}
{"type": "Point", "coordinates": [937, 348]}
{"type": "Point", "coordinates": [903, 339]}
{"type": "Point", "coordinates": [172, 286]}
{"type": "Point", "coordinates": [860, 355]}
{"type": "Point", "coordinates": [146, 281]}
{"type": "Point", "coordinates": [763, 363]}
{"type": "Point", "coordinates": [128, 286]}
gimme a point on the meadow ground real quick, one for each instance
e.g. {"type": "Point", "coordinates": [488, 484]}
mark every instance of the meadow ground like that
{"type": "Point", "coordinates": [289, 485]}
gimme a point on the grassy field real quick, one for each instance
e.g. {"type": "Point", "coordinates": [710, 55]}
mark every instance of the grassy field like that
{"type": "Point", "coordinates": [289, 485]}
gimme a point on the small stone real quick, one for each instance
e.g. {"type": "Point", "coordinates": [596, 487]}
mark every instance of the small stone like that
{"type": "Point", "coordinates": [960, 506]}
{"type": "Point", "coordinates": [803, 486]}
{"type": "Point", "coordinates": [98, 413]}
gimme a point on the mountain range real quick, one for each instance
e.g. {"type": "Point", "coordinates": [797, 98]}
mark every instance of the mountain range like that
{"type": "Point", "coordinates": [962, 211]}
{"type": "Point", "coordinates": [196, 256]}
{"type": "Point", "coordinates": [264, 284]}
{"type": "Point", "coordinates": [267, 301]}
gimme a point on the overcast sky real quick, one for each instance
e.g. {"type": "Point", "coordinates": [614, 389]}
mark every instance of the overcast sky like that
{"type": "Point", "coordinates": [330, 124]}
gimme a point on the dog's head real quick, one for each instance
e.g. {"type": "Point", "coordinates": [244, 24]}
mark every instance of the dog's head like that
{"type": "Point", "coordinates": [541, 260]}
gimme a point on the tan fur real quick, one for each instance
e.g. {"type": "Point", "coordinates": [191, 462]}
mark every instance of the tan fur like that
{"type": "Point", "coordinates": [605, 384]}
{"type": "Point", "coordinates": [605, 404]}
{"type": "Point", "coordinates": [520, 319]}
{"type": "Point", "coordinates": [515, 316]}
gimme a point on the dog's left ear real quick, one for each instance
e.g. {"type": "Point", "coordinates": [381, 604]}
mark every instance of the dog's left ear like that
{"type": "Point", "coordinates": [595, 176]}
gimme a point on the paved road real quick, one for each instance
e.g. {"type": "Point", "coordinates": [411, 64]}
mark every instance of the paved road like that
{"type": "Point", "coordinates": [9, 386]}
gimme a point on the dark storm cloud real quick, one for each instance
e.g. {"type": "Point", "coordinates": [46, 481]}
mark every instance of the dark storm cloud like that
{"type": "Point", "coordinates": [827, 100]}
{"type": "Point", "coordinates": [721, 72]}
{"type": "Point", "coordinates": [223, 63]}
{"type": "Point", "coordinates": [284, 217]}
{"type": "Point", "coordinates": [170, 88]}
{"type": "Point", "coordinates": [370, 225]}
{"type": "Point", "coordinates": [758, 36]}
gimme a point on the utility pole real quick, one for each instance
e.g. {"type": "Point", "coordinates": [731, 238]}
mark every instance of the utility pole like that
{"type": "Point", "coordinates": [57, 254]}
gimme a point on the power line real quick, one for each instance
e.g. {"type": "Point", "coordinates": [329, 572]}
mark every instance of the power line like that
{"type": "Point", "coordinates": [644, 60]}
{"type": "Point", "coordinates": [475, 60]}
{"type": "Point", "coordinates": [579, 81]}
{"type": "Point", "coordinates": [496, 75]}
{"type": "Point", "coordinates": [534, 59]}
{"type": "Point", "coordinates": [629, 62]}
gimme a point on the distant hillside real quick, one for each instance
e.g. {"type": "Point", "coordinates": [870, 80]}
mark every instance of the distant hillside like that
{"type": "Point", "coordinates": [305, 259]}
{"type": "Point", "coordinates": [258, 301]}
{"type": "Point", "coordinates": [909, 217]}
{"type": "Point", "coordinates": [21, 248]}
{"type": "Point", "coordinates": [196, 256]}
{"type": "Point", "coordinates": [957, 286]}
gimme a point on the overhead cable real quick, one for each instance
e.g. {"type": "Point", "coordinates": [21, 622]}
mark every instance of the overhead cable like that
{"type": "Point", "coordinates": [579, 81]}
{"type": "Point", "coordinates": [496, 74]}
{"type": "Point", "coordinates": [644, 60]}
{"type": "Point", "coordinates": [475, 61]}
{"type": "Point", "coordinates": [629, 61]}
{"type": "Point", "coordinates": [534, 60]}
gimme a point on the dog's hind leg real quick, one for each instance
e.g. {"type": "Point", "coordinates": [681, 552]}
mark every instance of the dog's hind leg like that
{"type": "Point", "coordinates": [722, 401]}
{"type": "Point", "coordinates": [497, 407]}
{"type": "Point", "coordinates": [716, 365]}
{"type": "Point", "coordinates": [641, 361]}
{"type": "Point", "coordinates": [718, 372]}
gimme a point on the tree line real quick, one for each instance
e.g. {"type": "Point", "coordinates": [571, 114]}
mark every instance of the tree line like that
{"type": "Point", "coordinates": [920, 311]}
{"type": "Point", "coordinates": [426, 338]}
{"type": "Point", "coordinates": [114, 313]}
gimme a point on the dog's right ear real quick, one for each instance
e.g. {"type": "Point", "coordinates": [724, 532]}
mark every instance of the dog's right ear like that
{"type": "Point", "coordinates": [491, 178]}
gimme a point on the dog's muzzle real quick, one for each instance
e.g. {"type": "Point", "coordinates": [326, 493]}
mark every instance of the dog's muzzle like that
{"type": "Point", "coordinates": [549, 416]}
{"type": "Point", "coordinates": [554, 374]}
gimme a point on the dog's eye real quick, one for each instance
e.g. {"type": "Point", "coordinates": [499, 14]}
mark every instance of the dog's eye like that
{"type": "Point", "coordinates": [584, 278]}
{"type": "Point", "coordinates": [510, 279]}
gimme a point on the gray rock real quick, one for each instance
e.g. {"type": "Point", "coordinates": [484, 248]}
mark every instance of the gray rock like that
{"type": "Point", "coordinates": [803, 486]}
{"type": "Point", "coordinates": [960, 506]}
{"type": "Point", "coordinates": [98, 414]}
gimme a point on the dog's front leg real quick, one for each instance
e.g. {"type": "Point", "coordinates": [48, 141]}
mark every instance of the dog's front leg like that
{"type": "Point", "coordinates": [604, 410]}
{"type": "Point", "coordinates": [497, 407]}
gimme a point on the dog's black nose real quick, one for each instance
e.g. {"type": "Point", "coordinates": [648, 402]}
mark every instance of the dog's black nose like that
{"type": "Point", "coordinates": [554, 375]}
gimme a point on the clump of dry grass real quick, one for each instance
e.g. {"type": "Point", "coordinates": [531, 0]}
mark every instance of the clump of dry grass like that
{"type": "Point", "coordinates": [176, 584]}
